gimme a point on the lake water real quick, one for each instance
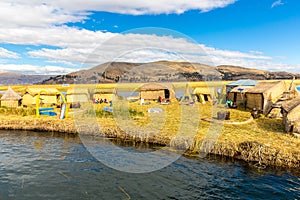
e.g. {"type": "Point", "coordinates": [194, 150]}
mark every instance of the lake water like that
{"type": "Point", "coordinates": [50, 166]}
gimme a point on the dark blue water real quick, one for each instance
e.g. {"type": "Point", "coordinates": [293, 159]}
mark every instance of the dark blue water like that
{"type": "Point", "coordinates": [50, 166]}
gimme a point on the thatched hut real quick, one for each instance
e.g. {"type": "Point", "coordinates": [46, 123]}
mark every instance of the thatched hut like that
{"type": "Point", "coordinates": [151, 91]}
{"type": "Point", "coordinates": [10, 98]}
{"type": "Point", "coordinates": [238, 94]}
{"type": "Point", "coordinates": [290, 112]}
{"type": "Point", "coordinates": [263, 95]}
{"type": "Point", "coordinates": [78, 95]}
{"type": "Point", "coordinates": [242, 82]}
{"type": "Point", "coordinates": [205, 94]}
{"type": "Point", "coordinates": [47, 96]}
{"type": "Point", "coordinates": [107, 94]}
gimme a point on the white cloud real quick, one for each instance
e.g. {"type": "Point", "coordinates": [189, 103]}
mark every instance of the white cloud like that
{"type": "Point", "coordinates": [61, 11]}
{"type": "Point", "coordinates": [28, 14]}
{"type": "Point", "coordinates": [35, 69]}
{"type": "Point", "coordinates": [277, 3]}
{"type": "Point", "coordinates": [75, 46]}
{"type": "Point", "coordinates": [4, 53]}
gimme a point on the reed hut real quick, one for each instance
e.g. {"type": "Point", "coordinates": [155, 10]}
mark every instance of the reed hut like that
{"type": "Point", "coordinates": [11, 99]}
{"type": "Point", "coordinates": [242, 82]}
{"type": "Point", "coordinates": [47, 96]}
{"type": "Point", "coordinates": [151, 91]}
{"type": "Point", "coordinates": [263, 95]}
{"type": "Point", "coordinates": [205, 94]}
{"type": "Point", "coordinates": [290, 115]}
{"type": "Point", "coordinates": [107, 94]}
{"type": "Point", "coordinates": [78, 95]}
{"type": "Point", "coordinates": [238, 94]}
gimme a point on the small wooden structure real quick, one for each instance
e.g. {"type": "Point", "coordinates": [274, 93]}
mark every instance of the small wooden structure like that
{"type": "Point", "coordinates": [205, 94]}
{"type": "Point", "coordinates": [78, 95]}
{"type": "Point", "coordinates": [290, 112]}
{"type": "Point", "coordinates": [151, 91]}
{"type": "Point", "coordinates": [263, 95]}
{"type": "Point", "coordinates": [238, 94]}
{"type": "Point", "coordinates": [107, 94]}
{"type": "Point", "coordinates": [10, 98]}
{"type": "Point", "coordinates": [47, 96]}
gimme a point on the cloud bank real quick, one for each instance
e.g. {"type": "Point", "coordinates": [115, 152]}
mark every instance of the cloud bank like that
{"type": "Point", "coordinates": [44, 26]}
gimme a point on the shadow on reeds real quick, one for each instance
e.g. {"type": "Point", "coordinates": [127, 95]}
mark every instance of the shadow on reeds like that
{"type": "Point", "coordinates": [268, 124]}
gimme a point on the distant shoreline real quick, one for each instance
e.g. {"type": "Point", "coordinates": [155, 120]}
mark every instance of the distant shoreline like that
{"type": "Point", "coordinates": [249, 151]}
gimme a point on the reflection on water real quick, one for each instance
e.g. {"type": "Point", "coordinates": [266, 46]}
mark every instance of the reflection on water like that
{"type": "Point", "coordinates": [51, 166]}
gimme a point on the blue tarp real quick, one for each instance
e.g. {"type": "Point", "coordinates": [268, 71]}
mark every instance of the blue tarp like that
{"type": "Point", "coordinates": [244, 82]}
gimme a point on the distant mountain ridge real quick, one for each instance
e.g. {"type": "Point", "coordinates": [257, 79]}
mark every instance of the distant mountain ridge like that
{"type": "Point", "coordinates": [165, 71]}
{"type": "Point", "coordinates": [8, 78]}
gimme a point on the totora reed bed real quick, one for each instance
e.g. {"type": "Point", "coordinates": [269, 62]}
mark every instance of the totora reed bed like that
{"type": "Point", "coordinates": [261, 141]}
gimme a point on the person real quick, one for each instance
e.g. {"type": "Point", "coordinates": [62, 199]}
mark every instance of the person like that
{"type": "Point", "coordinates": [101, 101]}
{"type": "Point", "coordinates": [229, 103]}
{"type": "Point", "coordinates": [254, 113]}
{"type": "Point", "coordinates": [159, 99]}
{"type": "Point", "coordinates": [105, 101]}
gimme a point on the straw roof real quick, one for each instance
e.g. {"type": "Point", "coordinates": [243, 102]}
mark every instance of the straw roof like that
{"type": "Point", "coordinates": [77, 91]}
{"type": "Point", "coordinates": [203, 90]}
{"type": "Point", "coordinates": [243, 82]}
{"type": "Point", "coordinates": [291, 104]}
{"type": "Point", "coordinates": [241, 89]}
{"type": "Point", "coordinates": [263, 87]}
{"type": "Point", "coordinates": [34, 91]}
{"type": "Point", "coordinates": [10, 95]}
{"type": "Point", "coordinates": [156, 86]}
{"type": "Point", "coordinates": [105, 91]}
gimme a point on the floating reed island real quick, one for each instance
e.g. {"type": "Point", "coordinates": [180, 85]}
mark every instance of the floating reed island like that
{"type": "Point", "coordinates": [261, 141]}
{"type": "Point", "coordinates": [192, 123]}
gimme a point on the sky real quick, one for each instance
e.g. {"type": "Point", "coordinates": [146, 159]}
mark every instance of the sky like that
{"type": "Point", "coordinates": [57, 37]}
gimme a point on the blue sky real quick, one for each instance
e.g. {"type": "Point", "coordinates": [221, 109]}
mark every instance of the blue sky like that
{"type": "Point", "coordinates": [56, 37]}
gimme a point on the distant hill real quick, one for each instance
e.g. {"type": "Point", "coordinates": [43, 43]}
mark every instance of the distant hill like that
{"type": "Point", "coordinates": [7, 78]}
{"type": "Point", "coordinates": [168, 71]}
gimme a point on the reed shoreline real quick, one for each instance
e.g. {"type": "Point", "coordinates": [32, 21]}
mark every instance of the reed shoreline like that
{"type": "Point", "coordinates": [250, 151]}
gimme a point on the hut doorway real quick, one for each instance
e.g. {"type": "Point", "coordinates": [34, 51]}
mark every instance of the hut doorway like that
{"type": "Point", "coordinates": [234, 97]}
{"type": "Point", "coordinates": [206, 97]}
{"type": "Point", "coordinates": [167, 94]}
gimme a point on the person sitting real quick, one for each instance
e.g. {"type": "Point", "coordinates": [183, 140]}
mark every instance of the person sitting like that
{"type": "Point", "coordinates": [254, 113]}
{"type": "Point", "coordinates": [159, 99]}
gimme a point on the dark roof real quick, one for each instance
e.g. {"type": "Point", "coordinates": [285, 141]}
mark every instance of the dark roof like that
{"type": "Point", "coordinates": [288, 106]}
{"type": "Point", "coordinates": [243, 82]}
{"type": "Point", "coordinates": [241, 89]}
{"type": "Point", "coordinates": [263, 87]}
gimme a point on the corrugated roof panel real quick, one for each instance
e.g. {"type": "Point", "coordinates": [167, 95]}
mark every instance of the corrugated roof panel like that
{"type": "Point", "coordinates": [243, 82]}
